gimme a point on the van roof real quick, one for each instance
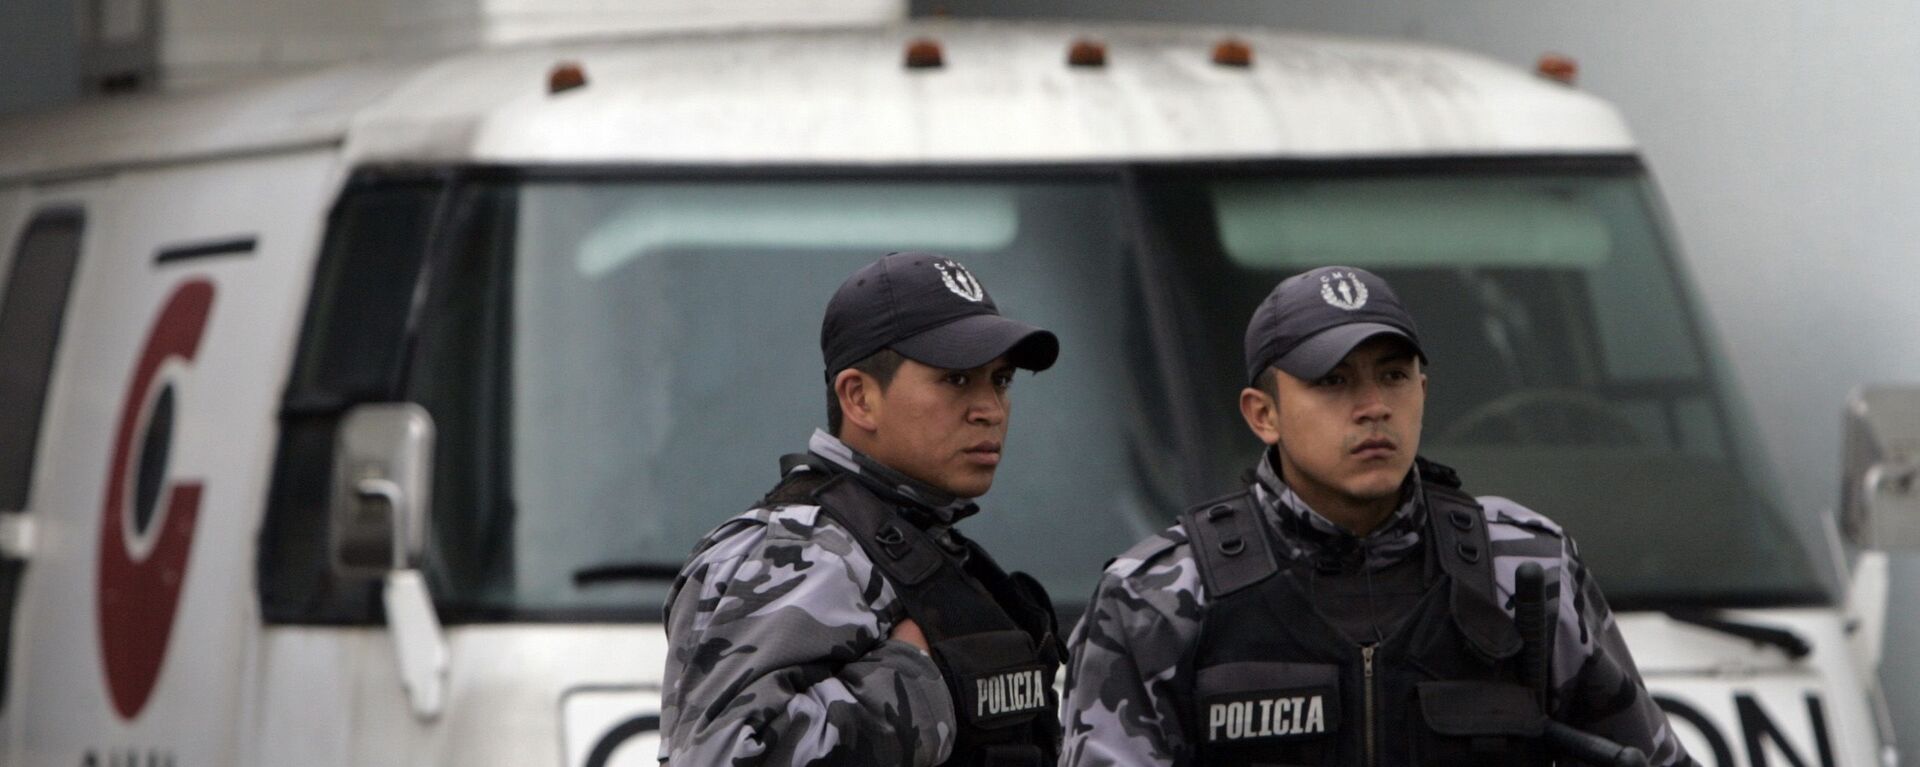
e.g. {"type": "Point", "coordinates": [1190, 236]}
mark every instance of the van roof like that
{"type": "Point", "coordinates": [1005, 94]}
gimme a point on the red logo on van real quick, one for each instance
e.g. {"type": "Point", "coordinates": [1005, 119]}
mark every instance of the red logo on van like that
{"type": "Point", "coordinates": [146, 531]}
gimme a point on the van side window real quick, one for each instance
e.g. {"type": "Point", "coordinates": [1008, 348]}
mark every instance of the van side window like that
{"type": "Point", "coordinates": [30, 315]}
{"type": "Point", "coordinates": [33, 303]}
{"type": "Point", "coordinates": [352, 350]}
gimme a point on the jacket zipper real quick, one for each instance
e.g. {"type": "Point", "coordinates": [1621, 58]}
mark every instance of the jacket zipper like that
{"type": "Point", "coordinates": [1366, 663]}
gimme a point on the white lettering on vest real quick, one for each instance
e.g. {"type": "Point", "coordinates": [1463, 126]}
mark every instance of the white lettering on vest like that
{"type": "Point", "coordinates": [1266, 717]}
{"type": "Point", "coordinates": [1009, 693]}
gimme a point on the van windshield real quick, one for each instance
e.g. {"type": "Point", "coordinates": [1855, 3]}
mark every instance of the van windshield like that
{"type": "Point", "coordinates": [652, 349]}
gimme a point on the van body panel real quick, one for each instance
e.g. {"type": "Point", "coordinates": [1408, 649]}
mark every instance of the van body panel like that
{"type": "Point", "coordinates": [1720, 690]}
{"type": "Point", "coordinates": [517, 695]}
{"type": "Point", "coordinates": [1005, 94]}
{"type": "Point", "coordinates": [34, 624]}
{"type": "Point", "coordinates": [205, 122]}
{"type": "Point", "coordinates": [175, 687]}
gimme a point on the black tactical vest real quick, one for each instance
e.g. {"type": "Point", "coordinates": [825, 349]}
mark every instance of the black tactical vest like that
{"type": "Point", "coordinates": [1277, 684]}
{"type": "Point", "coordinates": [992, 634]}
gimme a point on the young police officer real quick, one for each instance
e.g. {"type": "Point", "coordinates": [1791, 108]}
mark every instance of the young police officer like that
{"type": "Point", "coordinates": [1352, 605]}
{"type": "Point", "coordinates": [843, 621]}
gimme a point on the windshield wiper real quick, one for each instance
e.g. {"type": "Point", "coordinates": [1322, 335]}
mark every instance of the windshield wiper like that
{"type": "Point", "coordinates": [1789, 642]}
{"type": "Point", "coordinates": [616, 572]}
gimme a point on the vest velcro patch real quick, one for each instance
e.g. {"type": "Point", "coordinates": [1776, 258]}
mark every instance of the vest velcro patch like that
{"type": "Point", "coordinates": [1260, 715]}
{"type": "Point", "coordinates": [1009, 693]}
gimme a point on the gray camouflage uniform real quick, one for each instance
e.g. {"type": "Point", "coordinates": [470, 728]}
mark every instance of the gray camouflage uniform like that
{"type": "Point", "coordinates": [1129, 650]}
{"type": "Point", "coordinates": [777, 644]}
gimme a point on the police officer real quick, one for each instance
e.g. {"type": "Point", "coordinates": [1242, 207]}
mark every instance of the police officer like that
{"type": "Point", "coordinates": [843, 620]}
{"type": "Point", "coordinates": [1352, 605]}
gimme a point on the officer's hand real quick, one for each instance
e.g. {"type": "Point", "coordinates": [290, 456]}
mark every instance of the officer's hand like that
{"type": "Point", "coordinates": [908, 631]}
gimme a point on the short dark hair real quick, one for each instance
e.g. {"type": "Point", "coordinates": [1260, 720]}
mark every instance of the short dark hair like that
{"type": "Point", "coordinates": [1269, 381]}
{"type": "Point", "coordinates": [882, 365]}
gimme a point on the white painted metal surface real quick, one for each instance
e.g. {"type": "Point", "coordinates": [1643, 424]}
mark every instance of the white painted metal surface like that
{"type": "Point", "coordinates": [1004, 95]}
{"type": "Point", "coordinates": [205, 38]}
{"type": "Point", "coordinates": [515, 696]}
{"type": "Point", "coordinates": [197, 124]}
{"type": "Point", "coordinates": [61, 705]}
{"type": "Point", "coordinates": [1733, 686]}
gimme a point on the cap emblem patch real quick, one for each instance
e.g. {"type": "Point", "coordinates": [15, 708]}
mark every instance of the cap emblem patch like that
{"type": "Point", "coordinates": [960, 281]}
{"type": "Point", "coordinates": [1343, 290]}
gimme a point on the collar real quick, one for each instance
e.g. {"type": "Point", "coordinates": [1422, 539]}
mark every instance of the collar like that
{"type": "Point", "coordinates": [938, 506]}
{"type": "Point", "coordinates": [1306, 533]}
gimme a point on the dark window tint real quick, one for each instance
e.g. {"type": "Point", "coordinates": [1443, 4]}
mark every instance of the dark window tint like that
{"type": "Point", "coordinates": [352, 347]}
{"type": "Point", "coordinates": [30, 312]}
{"type": "Point", "coordinates": [362, 293]}
{"type": "Point", "coordinates": [462, 377]}
{"type": "Point", "coordinates": [31, 307]}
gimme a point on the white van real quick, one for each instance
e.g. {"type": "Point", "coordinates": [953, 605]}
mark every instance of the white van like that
{"type": "Point", "coordinates": [362, 417]}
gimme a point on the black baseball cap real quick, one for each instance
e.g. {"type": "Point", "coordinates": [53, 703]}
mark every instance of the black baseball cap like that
{"type": "Point", "coordinates": [931, 310]}
{"type": "Point", "coordinates": [1312, 320]}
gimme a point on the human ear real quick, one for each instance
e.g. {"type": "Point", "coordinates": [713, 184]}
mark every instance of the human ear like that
{"type": "Point", "coordinates": [1262, 413]}
{"type": "Point", "coordinates": [859, 399]}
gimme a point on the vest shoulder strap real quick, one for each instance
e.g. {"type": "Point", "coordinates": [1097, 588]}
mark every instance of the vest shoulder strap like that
{"type": "Point", "coordinates": [904, 553]}
{"type": "Point", "coordinates": [942, 597]}
{"type": "Point", "coordinates": [1230, 543]}
{"type": "Point", "coordinates": [1458, 526]}
{"type": "Point", "coordinates": [796, 486]}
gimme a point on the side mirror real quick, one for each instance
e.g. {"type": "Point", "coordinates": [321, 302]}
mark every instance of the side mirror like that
{"type": "Point", "coordinates": [1880, 486]}
{"type": "Point", "coordinates": [382, 488]}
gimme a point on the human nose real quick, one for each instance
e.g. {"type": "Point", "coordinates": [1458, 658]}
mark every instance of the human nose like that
{"type": "Point", "coordinates": [1370, 403]}
{"type": "Point", "coordinates": [988, 408]}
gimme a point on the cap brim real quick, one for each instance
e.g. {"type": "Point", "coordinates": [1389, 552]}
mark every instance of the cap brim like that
{"type": "Point", "coordinates": [1317, 356]}
{"type": "Point", "coordinates": [969, 342]}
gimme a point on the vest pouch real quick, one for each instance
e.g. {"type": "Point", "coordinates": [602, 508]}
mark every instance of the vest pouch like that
{"type": "Point", "coordinates": [1260, 713]}
{"type": "Point", "coordinates": [1478, 723]}
{"type": "Point", "coordinates": [996, 678]}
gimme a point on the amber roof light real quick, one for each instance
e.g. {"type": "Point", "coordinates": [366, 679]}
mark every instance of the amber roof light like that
{"type": "Point", "coordinates": [1233, 53]}
{"type": "Point", "coordinates": [1562, 69]}
{"type": "Point", "coordinates": [1087, 53]}
{"type": "Point", "coordinates": [566, 76]}
{"type": "Point", "coordinates": [924, 53]}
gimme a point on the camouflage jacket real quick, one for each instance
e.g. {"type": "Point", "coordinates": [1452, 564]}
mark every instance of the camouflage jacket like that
{"type": "Point", "coordinates": [1131, 651]}
{"type": "Point", "coordinates": [778, 649]}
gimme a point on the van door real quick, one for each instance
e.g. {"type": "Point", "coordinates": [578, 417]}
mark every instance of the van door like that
{"type": "Point", "coordinates": [136, 621]}
{"type": "Point", "coordinates": [33, 301]}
